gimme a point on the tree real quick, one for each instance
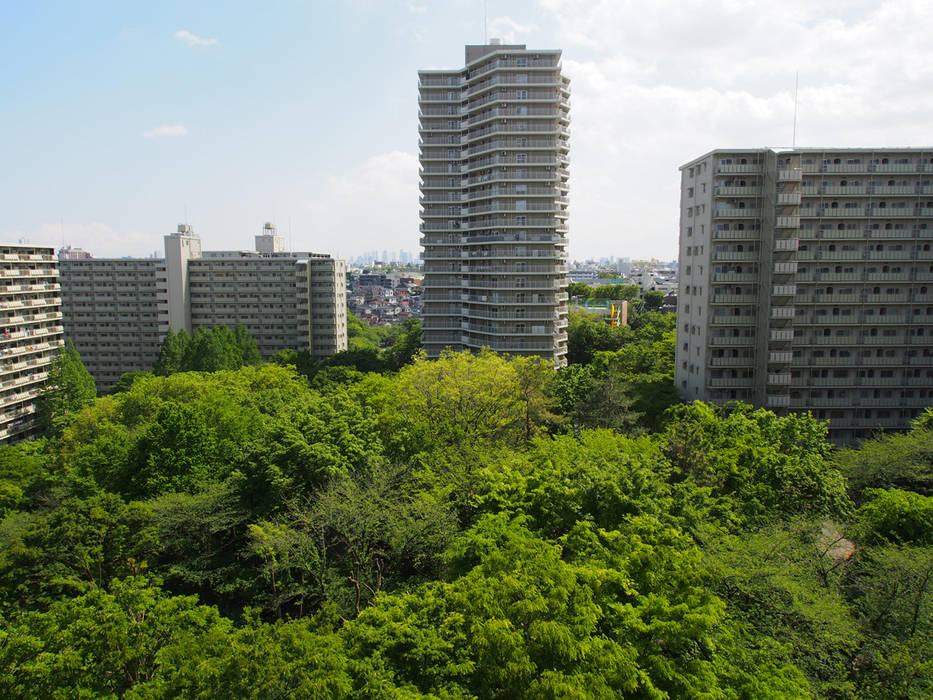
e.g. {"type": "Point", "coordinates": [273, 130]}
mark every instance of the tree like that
{"type": "Point", "coordinates": [900, 461]}
{"type": "Point", "coordinates": [627, 292]}
{"type": "Point", "coordinates": [249, 350]}
{"type": "Point", "coordinates": [79, 545]}
{"type": "Point", "coordinates": [896, 516]}
{"type": "Point", "coordinates": [579, 289]}
{"type": "Point", "coordinates": [588, 333]}
{"type": "Point", "coordinates": [100, 644]}
{"type": "Point", "coordinates": [359, 536]}
{"type": "Point", "coordinates": [70, 388]}
{"type": "Point", "coordinates": [403, 351]}
{"type": "Point", "coordinates": [767, 468]}
{"type": "Point", "coordinates": [211, 350]}
{"type": "Point", "coordinates": [126, 381]}
{"type": "Point", "coordinates": [653, 300]}
{"type": "Point", "coordinates": [601, 615]}
{"type": "Point", "coordinates": [172, 353]}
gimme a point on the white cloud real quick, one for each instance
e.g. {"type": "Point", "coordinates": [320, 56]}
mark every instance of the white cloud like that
{"type": "Point", "coordinates": [416, 9]}
{"type": "Point", "coordinates": [99, 239]}
{"type": "Point", "coordinates": [657, 84]}
{"type": "Point", "coordinates": [374, 205]}
{"type": "Point", "coordinates": [507, 29]}
{"type": "Point", "coordinates": [165, 130]}
{"type": "Point", "coordinates": [194, 40]}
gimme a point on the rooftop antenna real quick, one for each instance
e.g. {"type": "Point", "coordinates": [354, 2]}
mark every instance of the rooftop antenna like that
{"type": "Point", "coordinates": [485, 26]}
{"type": "Point", "coordinates": [796, 85]}
{"type": "Point", "coordinates": [61, 222]}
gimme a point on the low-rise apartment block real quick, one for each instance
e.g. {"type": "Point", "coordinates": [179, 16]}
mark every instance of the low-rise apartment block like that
{"type": "Point", "coordinates": [806, 283]}
{"type": "Point", "coordinates": [118, 310]}
{"type": "Point", "coordinates": [30, 333]}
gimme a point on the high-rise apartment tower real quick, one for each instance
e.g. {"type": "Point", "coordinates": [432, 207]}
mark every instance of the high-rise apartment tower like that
{"type": "Point", "coordinates": [494, 158]}
{"type": "Point", "coordinates": [806, 283]}
{"type": "Point", "coordinates": [30, 333]}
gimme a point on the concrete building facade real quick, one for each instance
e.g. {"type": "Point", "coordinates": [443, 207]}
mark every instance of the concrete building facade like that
{"type": "Point", "coordinates": [115, 313]}
{"type": "Point", "coordinates": [30, 333]}
{"type": "Point", "coordinates": [494, 159]}
{"type": "Point", "coordinates": [806, 283]}
{"type": "Point", "coordinates": [118, 310]}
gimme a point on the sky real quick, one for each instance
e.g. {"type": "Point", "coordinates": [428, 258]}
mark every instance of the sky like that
{"type": "Point", "coordinates": [120, 120]}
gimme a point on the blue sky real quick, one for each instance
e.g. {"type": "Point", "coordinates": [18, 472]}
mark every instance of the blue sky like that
{"type": "Point", "coordinates": [118, 120]}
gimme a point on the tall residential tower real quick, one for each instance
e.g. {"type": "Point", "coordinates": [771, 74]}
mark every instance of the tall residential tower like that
{"type": "Point", "coordinates": [494, 158]}
{"type": "Point", "coordinates": [30, 333]}
{"type": "Point", "coordinates": [806, 283]}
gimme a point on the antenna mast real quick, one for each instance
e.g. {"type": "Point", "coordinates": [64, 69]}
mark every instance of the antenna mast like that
{"type": "Point", "coordinates": [485, 26]}
{"type": "Point", "coordinates": [796, 85]}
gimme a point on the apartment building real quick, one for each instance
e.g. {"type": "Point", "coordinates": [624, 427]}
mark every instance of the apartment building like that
{"type": "Point", "coordinates": [30, 333]}
{"type": "Point", "coordinates": [118, 310]}
{"type": "Point", "coordinates": [494, 159]}
{"type": "Point", "coordinates": [111, 313]}
{"type": "Point", "coordinates": [806, 283]}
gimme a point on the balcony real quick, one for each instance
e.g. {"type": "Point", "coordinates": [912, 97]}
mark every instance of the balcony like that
{"type": "Point", "coordinates": [846, 212]}
{"type": "Point", "coordinates": [734, 277]}
{"type": "Point", "coordinates": [733, 320]}
{"type": "Point", "coordinates": [732, 362]}
{"type": "Point", "coordinates": [741, 168]}
{"type": "Point", "coordinates": [726, 191]}
{"type": "Point", "coordinates": [748, 235]}
{"type": "Point", "coordinates": [729, 340]}
{"type": "Point", "coordinates": [845, 168]}
{"type": "Point", "coordinates": [788, 198]}
{"type": "Point", "coordinates": [737, 213]}
{"type": "Point", "coordinates": [858, 191]}
{"type": "Point", "coordinates": [730, 382]}
{"type": "Point", "coordinates": [731, 255]}
{"type": "Point", "coordinates": [733, 299]}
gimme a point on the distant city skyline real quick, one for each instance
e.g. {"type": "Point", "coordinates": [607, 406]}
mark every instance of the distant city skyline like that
{"type": "Point", "coordinates": [123, 120]}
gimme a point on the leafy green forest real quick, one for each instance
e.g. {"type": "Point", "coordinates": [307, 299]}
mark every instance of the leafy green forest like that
{"type": "Point", "coordinates": [384, 526]}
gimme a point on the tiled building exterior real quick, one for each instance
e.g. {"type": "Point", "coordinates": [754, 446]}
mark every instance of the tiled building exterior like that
{"type": "Point", "coordinates": [806, 283]}
{"type": "Point", "coordinates": [30, 333]}
{"type": "Point", "coordinates": [494, 158]}
{"type": "Point", "coordinates": [118, 310]}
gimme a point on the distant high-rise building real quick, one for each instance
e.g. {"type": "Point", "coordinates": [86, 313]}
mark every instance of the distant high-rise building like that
{"type": "Point", "coordinates": [30, 333]}
{"type": "Point", "coordinates": [806, 283]}
{"type": "Point", "coordinates": [69, 253]}
{"type": "Point", "coordinates": [494, 158]}
{"type": "Point", "coordinates": [118, 310]}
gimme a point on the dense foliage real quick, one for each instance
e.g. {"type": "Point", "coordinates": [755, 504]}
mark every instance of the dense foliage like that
{"type": "Point", "coordinates": [208, 350]}
{"type": "Point", "coordinates": [475, 526]}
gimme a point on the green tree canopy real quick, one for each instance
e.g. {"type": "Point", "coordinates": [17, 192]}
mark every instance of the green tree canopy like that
{"type": "Point", "coordinates": [70, 387]}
